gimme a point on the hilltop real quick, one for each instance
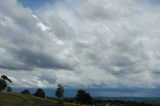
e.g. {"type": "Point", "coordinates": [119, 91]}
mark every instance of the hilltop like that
{"type": "Point", "coordinates": [13, 99]}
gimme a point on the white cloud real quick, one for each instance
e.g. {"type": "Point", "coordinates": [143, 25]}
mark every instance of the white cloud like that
{"type": "Point", "coordinates": [80, 43]}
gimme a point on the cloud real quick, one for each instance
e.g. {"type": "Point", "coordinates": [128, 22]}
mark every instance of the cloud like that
{"type": "Point", "coordinates": [110, 44]}
{"type": "Point", "coordinates": [24, 42]}
{"type": "Point", "coordinates": [112, 38]}
{"type": "Point", "coordinates": [39, 59]}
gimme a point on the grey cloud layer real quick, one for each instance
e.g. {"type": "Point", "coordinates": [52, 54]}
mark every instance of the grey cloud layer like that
{"type": "Point", "coordinates": [83, 42]}
{"type": "Point", "coordinates": [23, 43]}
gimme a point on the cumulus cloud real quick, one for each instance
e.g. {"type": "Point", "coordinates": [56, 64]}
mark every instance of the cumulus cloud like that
{"type": "Point", "coordinates": [81, 43]}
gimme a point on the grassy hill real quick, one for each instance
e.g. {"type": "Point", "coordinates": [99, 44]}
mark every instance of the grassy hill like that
{"type": "Point", "coordinates": [11, 99]}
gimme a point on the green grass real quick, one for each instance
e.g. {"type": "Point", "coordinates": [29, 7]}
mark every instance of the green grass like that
{"type": "Point", "coordinates": [11, 99]}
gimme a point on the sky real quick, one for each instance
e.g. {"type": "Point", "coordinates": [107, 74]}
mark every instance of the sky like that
{"type": "Point", "coordinates": [111, 46]}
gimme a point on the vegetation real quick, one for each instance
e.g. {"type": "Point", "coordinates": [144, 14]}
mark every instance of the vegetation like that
{"type": "Point", "coordinates": [83, 97]}
{"type": "Point", "coordinates": [9, 89]}
{"type": "Point", "coordinates": [26, 91]}
{"type": "Point", "coordinates": [40, 93]}
{"type": "Point", "coordinates": [3, 82]}
{"type": "Point", "coordinates": [38, 98]}
{"type": "Point", "coordinates": [60, 91]}
{"type": "Point", "coordinates": [12, 99]}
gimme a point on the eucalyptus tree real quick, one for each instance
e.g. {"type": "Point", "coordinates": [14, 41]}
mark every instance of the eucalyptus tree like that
{"type": "Point", "coordinates": [4, 82]}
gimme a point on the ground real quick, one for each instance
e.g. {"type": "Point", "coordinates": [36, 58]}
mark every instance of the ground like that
{"type": "Point", "coordinates": [13, 99]}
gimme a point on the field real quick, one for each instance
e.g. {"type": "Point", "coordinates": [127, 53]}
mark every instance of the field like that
{"type": "Point", "coordinates": [11, 99]}
{"type": "Point", "coordinates": [14, 99]}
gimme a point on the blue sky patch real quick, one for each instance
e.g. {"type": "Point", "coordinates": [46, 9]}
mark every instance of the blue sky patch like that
{"type": "Point", "coordinates": [34, 4]}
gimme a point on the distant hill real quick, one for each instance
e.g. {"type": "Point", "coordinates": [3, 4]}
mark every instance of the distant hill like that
{"type": "Point", "coordinates": [13, 99]}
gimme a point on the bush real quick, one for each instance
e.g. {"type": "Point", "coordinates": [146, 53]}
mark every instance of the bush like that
{"type": "Point", "coordinates": [83, 97]}
{"type": "Point", "coordinates": [40, 93]}
{"type": "Point", "coordinates": [26, 91]}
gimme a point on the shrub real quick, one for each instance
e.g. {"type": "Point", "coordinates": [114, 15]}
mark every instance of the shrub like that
{"type": "Point", "coordinates": [83, 97]}
{"type": "Point", "coordinates": [26, 91]}
{"type": "Point", "coordinates": [40, 93]}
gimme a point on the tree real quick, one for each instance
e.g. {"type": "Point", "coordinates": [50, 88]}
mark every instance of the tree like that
{"type": "Point", "coordinates": [83, 97]}
{"type": "Point", "coordinates": [4, 77]}
{"type": "Point", "coordinates": [9, 89]}
{"type": "Point", "coordinates": [26, 91]}
{"type": "Point", "coordinates": [60, 91]}
{"type": "Point", "coordinates": [40, 93]}
{"type": "Point", "coordinates": [3, 82]}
